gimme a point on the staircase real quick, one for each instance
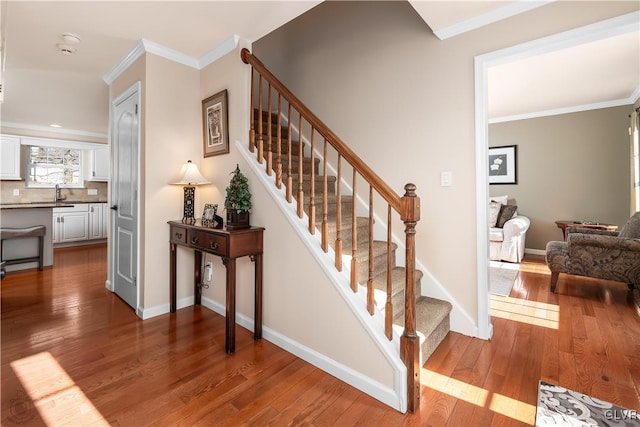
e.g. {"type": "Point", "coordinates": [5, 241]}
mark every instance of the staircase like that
{"type": "Point", "coordinates": [432, 315]}
{"type": "Point", "coordinates": [301, 165]}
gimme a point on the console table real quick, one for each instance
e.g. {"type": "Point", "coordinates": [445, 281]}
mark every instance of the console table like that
{"type": "Point", "coordinates": [563, 225]}
{"type": "Point", "coordinates": [229, 245]}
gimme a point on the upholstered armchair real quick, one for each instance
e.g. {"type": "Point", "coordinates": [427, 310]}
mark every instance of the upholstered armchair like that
{"type": "Point", "coordinates": [507, 230]}
{"type": "Point", "coordinates": [600, 254]}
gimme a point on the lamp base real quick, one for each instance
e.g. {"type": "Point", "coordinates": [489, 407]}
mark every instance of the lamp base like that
{"type": "Point", "coordinates": [189, 200]}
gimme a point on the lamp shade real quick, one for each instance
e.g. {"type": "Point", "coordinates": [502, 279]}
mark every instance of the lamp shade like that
{"type": "Point", "coordinates": [191, 175]}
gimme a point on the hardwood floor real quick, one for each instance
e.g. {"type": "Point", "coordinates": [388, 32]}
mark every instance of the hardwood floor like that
{"type": "Point", "coordinates": [75, 354]}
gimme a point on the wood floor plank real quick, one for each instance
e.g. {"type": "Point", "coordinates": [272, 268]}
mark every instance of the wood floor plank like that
{"type": "Point", "coordinates": [173, 370]}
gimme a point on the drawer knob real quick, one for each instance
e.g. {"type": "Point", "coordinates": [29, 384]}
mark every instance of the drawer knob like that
{"type": "Point", "coordinates": [178, 235]}
{"type": "Point", "coordinates": [194, 240]}
{"type": "Point", "coordinates": [214, 245]}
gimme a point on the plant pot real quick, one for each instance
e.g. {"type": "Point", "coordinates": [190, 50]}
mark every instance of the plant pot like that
{"type": "Point", "coordinates": [237, 220]}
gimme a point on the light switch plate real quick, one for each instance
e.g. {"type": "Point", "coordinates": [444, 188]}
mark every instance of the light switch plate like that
{"type": "Point", "coordinates": [446, 179]}
{"type": "Point", "coordinates": [92, 191]}
{"type": "Point", "coordinates": [16, 191]}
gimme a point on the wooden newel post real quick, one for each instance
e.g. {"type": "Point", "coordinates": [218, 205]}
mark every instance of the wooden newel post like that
{"type": "Point", "coordinates": [410, 342]}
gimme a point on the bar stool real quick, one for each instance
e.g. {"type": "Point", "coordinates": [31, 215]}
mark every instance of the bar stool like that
{"type": "Point", "coordinates": [38, 231]}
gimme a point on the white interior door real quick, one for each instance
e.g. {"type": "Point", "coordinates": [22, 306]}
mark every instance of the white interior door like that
{"type": "Point", "coordinates": [124, 196]}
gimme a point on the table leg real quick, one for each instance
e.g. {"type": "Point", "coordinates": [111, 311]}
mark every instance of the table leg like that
{"type": "Point", "coordinates": [197, 279]}
{"type": "Point", "coordinates": [172, 277]}
{"type": "Point", "coordinates": [257, 311]}
{"type": "Point", "coordinates": [230, 344]}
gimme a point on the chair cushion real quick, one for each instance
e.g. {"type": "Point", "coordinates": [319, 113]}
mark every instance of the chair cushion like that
{"type": "Point", "coordinates": [631, 229]}
{"type": "Point", "coordinates": [496, 234]}
{"type": "Point", "coordinates": [506, 213]}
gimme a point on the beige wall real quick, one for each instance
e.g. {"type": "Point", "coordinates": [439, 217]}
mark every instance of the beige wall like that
{"type": "Point", "coordinates": [375, 73]}
{"type": "Point", "coordinates": [570, 167]}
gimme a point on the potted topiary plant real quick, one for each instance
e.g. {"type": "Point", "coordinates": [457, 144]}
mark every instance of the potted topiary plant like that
{"type": "Point", "coordinates": [238, 201]}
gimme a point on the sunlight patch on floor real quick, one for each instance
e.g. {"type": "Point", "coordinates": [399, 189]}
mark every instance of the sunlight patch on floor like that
{"type": "Point", "coordinates": [479, 396]}
{"type": "Point", "coordinates": [55, 395]}
{"type": "Point", "coordinates": [525, 311]}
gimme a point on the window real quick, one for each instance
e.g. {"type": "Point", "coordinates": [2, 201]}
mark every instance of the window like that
{"type": "Point", "coordinates": [48, 166]}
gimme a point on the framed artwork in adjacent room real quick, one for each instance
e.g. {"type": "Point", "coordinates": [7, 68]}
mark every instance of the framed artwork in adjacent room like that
{"type": "Point", "coordinates": [215, 122]}
{"type": "Point", "coordinates": [503, 165]}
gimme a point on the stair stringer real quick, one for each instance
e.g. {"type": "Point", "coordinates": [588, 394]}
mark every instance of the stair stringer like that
{"type": "Point", "coordinates": [395, 397]}
{"type": "Point", "coordinates": [461, 321]}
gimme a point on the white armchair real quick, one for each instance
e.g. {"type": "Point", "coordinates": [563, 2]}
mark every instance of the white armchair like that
{"type": "Point", "coordinates": [507, 231]}
{"type": "Point", "coordinates": [507, 243]}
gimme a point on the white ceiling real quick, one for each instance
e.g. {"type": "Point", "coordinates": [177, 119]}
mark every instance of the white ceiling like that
{"type": "Point", "coordinates": [42, 86]}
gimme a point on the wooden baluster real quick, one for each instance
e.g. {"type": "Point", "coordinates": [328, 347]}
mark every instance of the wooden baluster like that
{"type": "Point", "coordinates": [252, 130]}
{"type": "Point", "coordinates": [325, 223]}
{"type": "Point", "coordinates": [269, 135]}
{"type": "Point", "coordinates": [370, 300]}
{"type": "Point", "coordinates": [338, 245]}
{"type": "Point", "coordinates": [279, 145]}
{"type": "Point", "coordinates": [388, 307]}
{"type": "Point", "coordinates": [409, 342]}
{"type": "Point", "coordinates": [300, 189]}
{"type": "Point", "coordinates": [260, 130]}
{"type": "Point", "coordinates": [354, 238]}
{"type": "Point", "coordinates": [289, 176]}
{"type": "Point", "coordinates": [312, 184]}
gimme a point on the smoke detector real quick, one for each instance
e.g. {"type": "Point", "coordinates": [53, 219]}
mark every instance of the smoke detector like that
{"type": "Point", "coordinates": [69, 43]}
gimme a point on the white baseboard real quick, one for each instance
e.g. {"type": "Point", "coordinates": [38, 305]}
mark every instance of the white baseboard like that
{"type": "Point", "coordinates": [158, 310]}
{"type": "Point", "coordinates": [535, 251]}
{"type": "Point", "coordinates": [365, 384]}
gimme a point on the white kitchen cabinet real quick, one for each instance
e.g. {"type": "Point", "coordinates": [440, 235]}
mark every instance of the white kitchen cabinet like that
{"type": "Point", "coordinates": [10, 157]}
{"type": "Point", "coordinates": [71, 224]}
{"type": "Point", "coordinates": [99, 164]}
{"type": "Point", "coordinates": [96, 221]}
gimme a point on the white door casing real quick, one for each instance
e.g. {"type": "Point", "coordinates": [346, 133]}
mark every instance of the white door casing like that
{"type": "Point", "coordinates": [125, 133]}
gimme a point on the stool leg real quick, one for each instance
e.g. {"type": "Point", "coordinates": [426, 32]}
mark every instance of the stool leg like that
{"type": "Point", "coordinates": [40, 252]}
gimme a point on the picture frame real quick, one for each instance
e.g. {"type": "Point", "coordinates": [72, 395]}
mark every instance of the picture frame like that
{"type": "Point", "coordinates": [503, 168]}
{"type": "Point", "coordinates": [209, 212]}
{"type": "Point", "coordinates": [210, 217]}
{"type": "Point", "coordinates": [215, 124]}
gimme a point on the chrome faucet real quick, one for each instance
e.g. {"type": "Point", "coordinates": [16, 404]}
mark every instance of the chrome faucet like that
{"type": "Point", "coordinates": [57, 196]}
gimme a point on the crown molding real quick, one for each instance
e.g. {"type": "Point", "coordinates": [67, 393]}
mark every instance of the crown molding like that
{"type": "Point", "coordinates": [567, 110]}
{"type": "Point", "coordinates": [218, 52]}
{"type": "Point", "coordinates": [124, 63]}
{"type": "Point", "coordinates": [147, 46]}
{"type": "Point", "coordinates": [495, 15]}
{"type": "Point", "coordinates": [49, 129]}
{"type": "Point", "coordinates": [170, 54]}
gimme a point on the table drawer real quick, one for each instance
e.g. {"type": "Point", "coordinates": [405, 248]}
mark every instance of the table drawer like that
{"type": "Point", "coordinates": [208, 242]}
{"type": "Point", "coordinates": [178, 234]}
{"type": "Point", "coordinates": [216, 243]}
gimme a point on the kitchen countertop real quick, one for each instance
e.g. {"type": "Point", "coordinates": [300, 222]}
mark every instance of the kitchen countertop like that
{"type": "Point", "coordinates": [38, 205]}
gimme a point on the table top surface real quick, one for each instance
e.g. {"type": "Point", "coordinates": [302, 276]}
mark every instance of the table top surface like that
{"type": "Point", "coordinates": [197, 225]}
{"type": "Point", "coordinates": [570, 223]}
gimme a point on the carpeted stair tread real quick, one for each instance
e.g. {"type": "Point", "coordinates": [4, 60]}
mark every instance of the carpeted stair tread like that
{"type": "Point", "coordinates": [432, 323]}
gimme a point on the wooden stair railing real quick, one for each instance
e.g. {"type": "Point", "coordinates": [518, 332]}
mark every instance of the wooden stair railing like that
{"type": "Point", "coordinates": [406, 206]}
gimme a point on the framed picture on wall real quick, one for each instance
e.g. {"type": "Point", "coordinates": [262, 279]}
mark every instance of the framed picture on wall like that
{"type": "Point", "coordinates": [502, 165]}
{"type": "Point", "coordinates": [215, 122]}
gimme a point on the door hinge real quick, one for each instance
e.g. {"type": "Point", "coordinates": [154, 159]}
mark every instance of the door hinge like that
{"type": "Point", "coordinates": [135, 281]}
{"type": "Point", "coordinates": [136, 108]}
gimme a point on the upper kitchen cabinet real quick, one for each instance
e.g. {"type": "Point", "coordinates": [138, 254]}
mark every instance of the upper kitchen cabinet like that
{"type": "Point", "coordinates": [99, 164]}
{"type": "Point", "coordinates": [10, 157]}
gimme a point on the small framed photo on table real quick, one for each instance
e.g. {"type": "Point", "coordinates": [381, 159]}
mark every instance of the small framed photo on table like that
{"type": "Point", "coordinates": [503, 165]}
{"type": "Point", "coordinates": [215, 122]}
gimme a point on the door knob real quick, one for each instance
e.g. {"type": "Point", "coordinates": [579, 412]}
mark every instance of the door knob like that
{"type": "Point", "coordinates": [114, 207]}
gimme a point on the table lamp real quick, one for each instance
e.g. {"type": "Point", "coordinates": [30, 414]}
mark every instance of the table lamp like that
{"type": "Point", "coordinates": [191, 177]}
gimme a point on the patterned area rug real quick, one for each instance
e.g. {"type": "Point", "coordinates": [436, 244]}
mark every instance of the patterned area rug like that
{"type": "Point", "coordinates": [559, 406]}
{"type": "Point", "coordinates": [501, 277]}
